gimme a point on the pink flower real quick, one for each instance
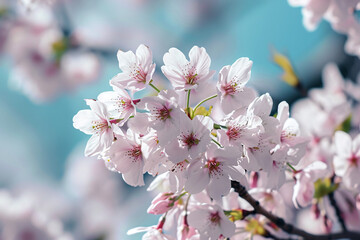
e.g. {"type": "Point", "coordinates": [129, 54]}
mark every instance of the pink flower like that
{"type": "Point", "coordinates": [164, 114]}
{"type": "Point", "coordinates": [152, 232]}
{"type": "Point", "coordinates": [231, 85]}
{"type": "Point", "coordinates": [213, 172]}
{"type": "Point", "coordinates": [192, 138]}
{"type": "Point", "coordinates": [119, 103]}
{"type": "Point", "coordinates": [137, 70]}
{"type": "Point", "coordinates": [128, 157]}
{"type": "Point", "coordinates": [304, 188]}
{"type": "Point", "coordinates": [211, 222]}
{"type": "Point", "coordinates": [184, 74]}
{"type": "Point", "coordinates": [96, 122]}
{"type": "Point", "coordinates": [347, 159]}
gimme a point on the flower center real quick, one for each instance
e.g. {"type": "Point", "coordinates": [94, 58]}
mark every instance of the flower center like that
{"type": "Point", "coordinates": [190, 74]}
{"type": "Point", "coordinates": [163, 113]}
{"type": "Point", "coordinates": [213, 166]}
{"type": "Point", "coordinates": [215, 218]}
{"type": "Point", "coordinates": [134, 153]}
{"type": "Point", "coordinates": [231, 88]}
{"type": "Point", "coordinates": [233, 132]}
{"type": "Point", "coordinates": [99, 126]}
{"type": "Point", "coordinates": [353, 160]}
{"type": "Point", "coordinates": [138, 74]}
{"type": "Point", "coordinates": [190, 140]}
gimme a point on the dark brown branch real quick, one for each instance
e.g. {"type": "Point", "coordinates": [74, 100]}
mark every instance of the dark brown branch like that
{"type": "Point", "coordinates": [243, 193]}
{"type": "Point", "coordinates": [337, 209]}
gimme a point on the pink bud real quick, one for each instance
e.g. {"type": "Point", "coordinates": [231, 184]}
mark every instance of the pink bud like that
{"type": "Point", "coordinates": [161, 203]}
{"type": "Point", "coordinates": [327, 224]}
{"type": "Point", "coordinates": [358, 201]}
{"type": "Point", "coordinates": [315, 210]}
{"type": "Point", "coordinates": [254, 179]}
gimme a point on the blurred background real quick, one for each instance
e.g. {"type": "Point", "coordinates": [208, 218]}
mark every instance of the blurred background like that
{"type": "Point", "coordinates": [54, 54]}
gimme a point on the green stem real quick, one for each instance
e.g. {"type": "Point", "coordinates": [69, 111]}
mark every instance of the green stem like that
{"type": "Point", "coordinates": [152, 85]}
{"type": "Point", "coordinates": [292, 168]}
{"type": "Point", "coordinates": [188, 103]}
{"type": "Point", "coordinates": [217, 143]}
{"type": "Point", "coordinates": [206, 99]}
{"type": "Point", "coordinates": [187, 203]}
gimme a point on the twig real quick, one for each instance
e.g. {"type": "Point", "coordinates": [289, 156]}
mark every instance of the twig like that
{"type": "Point", "coordinates": [243, 193]}
{"type": "Point", "coordinates": [337, 209]}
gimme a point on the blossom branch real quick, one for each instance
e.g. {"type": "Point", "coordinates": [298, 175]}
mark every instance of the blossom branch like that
{"type": "Point", "coordinates": [243, 193]}
{"type": "Point", "coordinates": [337, 209]}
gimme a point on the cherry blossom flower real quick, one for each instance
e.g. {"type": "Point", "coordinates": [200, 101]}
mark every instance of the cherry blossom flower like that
{"type": "Point", "coordinates": [97, 123]}
{"type": "Point", "coordinates": [164, 114]}
{"type": "Point", "coordinates": [137, 69]}
{"type": "Point", "coordinates": [128, 157]}
{"type": "Point", "coordinates": [192, 138]}
{"type": "Point", "coordinates": [118, 103]}
{"type": "Point", "coordinates": [231, 85]}
{"type": "Point", "coordinates": [304, 188]}
{"type": "Point", "coordinates": [211, 222]}
{"type": "Point", "coordinates": [152, 232]}
{"type": "Point", "coordinates": [213, 171]}
{"type": "Point", "coordinates": [184, 74]}
{"type": "Point", "coordinates": [347, 159]}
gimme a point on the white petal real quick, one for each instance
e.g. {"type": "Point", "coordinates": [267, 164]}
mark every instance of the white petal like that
{"type": "Point", "coordinates": [343, 144]}
{"type": "Point", "coordinates": [93, 146]}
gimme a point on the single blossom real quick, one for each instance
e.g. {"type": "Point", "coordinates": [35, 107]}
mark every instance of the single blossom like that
{"type": "Point", "coordinates": [213, 172]}
{"type": "Point", "coordinates": [231, 85]}
{"type": "Point", "coordinates": [164, 114]}
{"type": "Point", "coordinates": [347, 159]}
{"type": "Point", "coordinates": [192, 139]}
{"type": "Point", "coordinates": [137, 69]}
{"type": "Point", "coordinates": [211, 222]}
{"type": "Point", "coordinates": [128, 157]}
{"type": "Point", "coordinates": [119, 103]}
{"type": "Point", "coordinates": [184, 74]}
{"type": "Point", "coordinates": [96, 122]}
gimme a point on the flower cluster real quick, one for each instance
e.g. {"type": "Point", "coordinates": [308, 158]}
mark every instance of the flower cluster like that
{"type": "Point", "coordinates": [342, 15]}
{"type": "Point", "coordinates": [43, 51]}
{"type": "Point", "coordinates": [195, 151]}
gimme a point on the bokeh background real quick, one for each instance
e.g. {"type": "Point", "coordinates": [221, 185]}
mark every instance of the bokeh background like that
{"type": "Point", "coordinates": [42, 154]}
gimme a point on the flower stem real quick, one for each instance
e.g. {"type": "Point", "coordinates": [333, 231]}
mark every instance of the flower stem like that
{"type": "Point", "coordinates": [188, 103]}
{"type": "Point", "coordinates": [217, 143]}
{"type": "Point", "coordinates": [152, 85]}
{"type": "Point", "coordinates": [292, 168]}
{"type": "Point", "coordinates": [206, 99]}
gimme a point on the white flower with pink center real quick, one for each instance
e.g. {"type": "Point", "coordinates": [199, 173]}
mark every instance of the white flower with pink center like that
{"type": "Point", "coordinates": [96, 122]}
{"type": "Point", "coordinates": [231, 85]}
{"type": "Point", "coordinates": [119, 103]}
{"type": "Point", "coordinates": [137, 70]}
{"type": "Point", "coordinates": [290, 130]}
{"type": "Point", "coordinates": [304, 188]}
{"type": "Point", "coordinates": [184, 74]}
{"type": "Point", "coordinates": [241, 129]}
{"type": "Point", "coordinates": [177, 176]}
{"type": "Point", "coordinates": [127, 155]}
{"type": "Point", "coordinates": [347, 159]}
{"type": "Point", "coordinates": [213, 172]}
{"type": "Point", "coordinates": [164, 114]}
{"type": "Point", "coordinates": [152, 232]}
{"type": "Point", "coordinates": [211, 222]}
{"type": "Point", "coordinates": [193, 137]}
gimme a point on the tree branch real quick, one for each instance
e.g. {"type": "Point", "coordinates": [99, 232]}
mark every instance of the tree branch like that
{"type": "Point", "coordinates": [336, 208]}
{"type": "Point", "coordinates": [243, 193]}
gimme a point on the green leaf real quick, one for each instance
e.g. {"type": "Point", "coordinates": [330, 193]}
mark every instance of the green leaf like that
{"type": "Point", "coordinates": [202, 111]}
{"type": "Point", "coordinates": [345, 125]}
{"type": "Point", "coordinates": [234, 215]}
{"type": "Point", "coordinates": [324, 187]}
